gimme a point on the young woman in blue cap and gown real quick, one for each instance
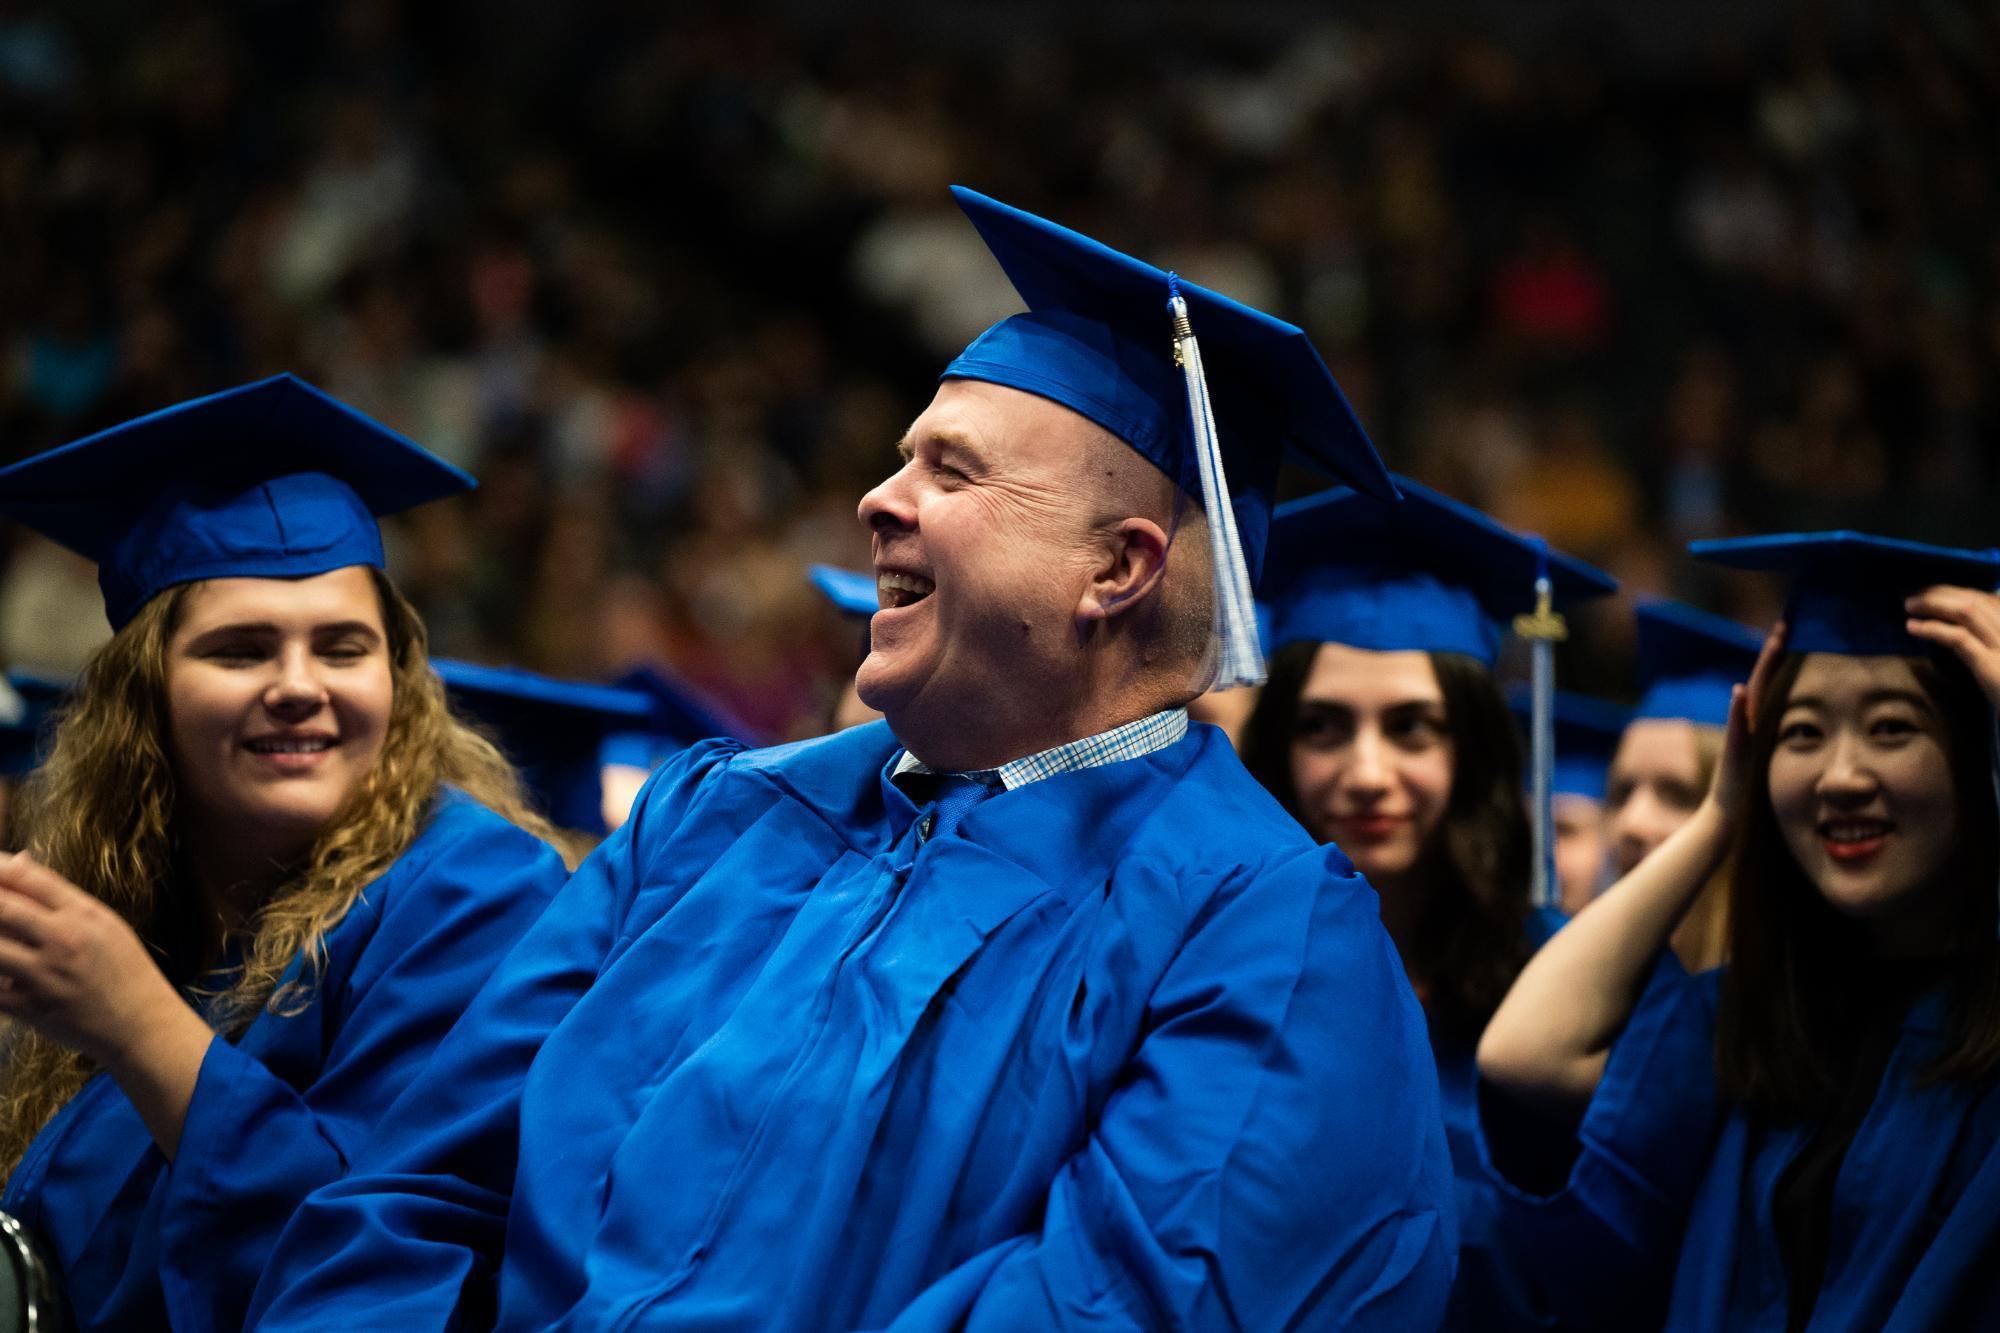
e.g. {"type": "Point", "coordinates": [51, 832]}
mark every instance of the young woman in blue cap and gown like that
{"type": "Point", "coordinates": [266, 869]}
{"type": "Point", "coordinates": [1809, 1136]}
{"type": "Point", "coordinates": [1689, 663]}
{"type": "Point", "coordinates": [1383, 730]}
{"type": "Point", "coordinates": [1116, 1047]}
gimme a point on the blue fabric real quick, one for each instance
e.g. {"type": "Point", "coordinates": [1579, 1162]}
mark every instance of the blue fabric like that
{"type": "Point", "coordinates": [1098, 340]}
{"type": "Point", "coordinates": [1495, 1288]}
{"type": "Point", "coordinates": [1427, 575]}
{"type": "Point", "coordinates": [1669, 1204]}
{"type": "Point", "coordinates": [1126, 1051]}
{"type": "Point", "coordinates": [1689, 661]}
{"type": "Point", "coordinates": [139, 1244]}
{"type": "Point", "coordinates": [270, 480]}
{"type": "Point", "coordinates": [1587, 733]}
{"type": "Point", "coordinates": [1848, 587]}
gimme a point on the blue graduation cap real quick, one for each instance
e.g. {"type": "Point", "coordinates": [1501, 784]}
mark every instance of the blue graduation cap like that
{"type": "Point", "coordinates": [851, 593]}
{"type": "Point", "coordinates": [1136, 350]}
{"type": "Point", "coordinates": [1587, 732]}
{"type": "Point", "coordinates": [560, 734]}
{"type": "Point", "coordinates": [27, 702]}
{"type": "Point", "coordinates": [271, 480]}
{"type": "Point", "coordinates": [1688, 662]}
{"type": "Point", "coordinates": [1848, 587]}
{"type": "Point", "coordinates": [1430, 574]}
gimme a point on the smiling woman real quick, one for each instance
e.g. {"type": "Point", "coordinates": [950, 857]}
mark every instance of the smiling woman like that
{"type": "Point", "coordinates": [1809, 1134]}
{"type": "Point", "coordinates": [266, 867]}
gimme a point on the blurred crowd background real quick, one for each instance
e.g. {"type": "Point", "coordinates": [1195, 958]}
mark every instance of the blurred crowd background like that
{"type": "Point", "coordinates": [671, 279]}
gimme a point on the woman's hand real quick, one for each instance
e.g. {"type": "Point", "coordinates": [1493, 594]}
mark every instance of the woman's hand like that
{"type": "Point", "coordinates": [1732, 771]}
{"type": "Point", "coordinates": [1967, 621]}
{"type": "Point", "coordinates": [72, 968]}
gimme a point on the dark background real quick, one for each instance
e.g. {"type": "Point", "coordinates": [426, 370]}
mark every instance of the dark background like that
{"type": "Point", "coordinates": [671, 279]}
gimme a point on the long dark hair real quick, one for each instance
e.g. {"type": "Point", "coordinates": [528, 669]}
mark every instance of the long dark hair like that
{"type": "Point", "coordinates": [1472, 939]}
{"type": "Point", "coordinates": [1785, 1017]}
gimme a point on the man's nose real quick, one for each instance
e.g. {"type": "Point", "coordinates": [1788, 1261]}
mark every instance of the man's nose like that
{"type": "Point", "coordinates": [888, 506]}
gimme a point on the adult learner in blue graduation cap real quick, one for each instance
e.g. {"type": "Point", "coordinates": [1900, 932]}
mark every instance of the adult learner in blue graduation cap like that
{"type": "Point", "coordinates": [1382, 729]}
{"type": "Point", "coordinates": [266, 869]}
{"type": "Point", "coordinates": [1689, 663]}
{"type": "Point", "coordinates": [1587, 732]}
{"type": "Point", "coordinates": [1808, 1136]}
{"type": "Point", "coordinates": [1024, 1008]}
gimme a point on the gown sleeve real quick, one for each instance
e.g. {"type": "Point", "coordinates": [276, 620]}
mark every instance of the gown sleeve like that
{"type": "Point", "coordinates": [254, 1145]}
{"type": "Point", "coordinates": [417, 1226]}
{"type": "Point", "coordinates": [1602, 1245]}
{"type": "Point", "coordinates": [1272, 1157]}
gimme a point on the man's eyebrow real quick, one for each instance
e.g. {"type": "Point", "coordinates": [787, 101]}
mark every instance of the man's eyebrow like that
{"type": "Point", "coordinates": [904, 449]}
{"type": "Point", "coordinates": [946, 440]}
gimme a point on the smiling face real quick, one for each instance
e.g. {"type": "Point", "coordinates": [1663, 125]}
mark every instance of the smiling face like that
{"type": "Point", "coordinates": [985, 541]}
{"type": "Point", "coordinates": [278, 695]}
{"type": "Point", "coordinates": [1372, 756]}
{"type": "Point", "coordinates": [1655, 784]}
{"type": "Point", "coordinates": [1861, 786]}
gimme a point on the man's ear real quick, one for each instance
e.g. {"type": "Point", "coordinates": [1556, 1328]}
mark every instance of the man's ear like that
{"type": "Point", "coordinates": [1134, 561]}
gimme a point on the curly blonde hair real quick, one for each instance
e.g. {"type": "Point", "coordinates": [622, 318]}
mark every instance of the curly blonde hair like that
{"type": "Point", "coordinates": [100, 812]}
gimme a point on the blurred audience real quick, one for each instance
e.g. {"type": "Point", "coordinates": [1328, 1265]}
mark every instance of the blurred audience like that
{"type": "Point", "coordinates": [671, 284]}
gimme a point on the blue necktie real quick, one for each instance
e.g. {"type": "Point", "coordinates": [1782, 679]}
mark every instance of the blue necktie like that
{"type": "Point", "coordinates": [952, 795]}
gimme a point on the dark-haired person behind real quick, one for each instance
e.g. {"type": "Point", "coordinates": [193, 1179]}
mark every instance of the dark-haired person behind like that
{"type": "Point", "coordinates": [1382, 729]}
{"type": "Point", "coordinates": [1804, 1137]}
{"type": "Point", "coordinates": [266, 867]}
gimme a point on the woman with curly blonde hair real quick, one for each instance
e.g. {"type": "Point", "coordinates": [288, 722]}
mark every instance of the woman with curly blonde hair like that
{"type": "Point", "coordinates": [265, 867]}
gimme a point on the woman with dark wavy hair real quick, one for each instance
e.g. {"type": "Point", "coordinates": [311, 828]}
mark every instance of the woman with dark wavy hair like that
{"type": "Point", "coordinates": [1809, 1135]}
{"type": "Point", "coordinates": [1382, 730]}
{"type": "Point", "coordinates": [265, 866]}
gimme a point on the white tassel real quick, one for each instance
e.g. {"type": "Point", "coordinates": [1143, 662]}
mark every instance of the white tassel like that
{"type": "Point", "coordinates": [1240, 660]}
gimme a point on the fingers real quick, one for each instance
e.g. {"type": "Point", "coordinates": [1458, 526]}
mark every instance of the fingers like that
{"type": "Point", "coordinates": [31, 879]}
{"type": "Point", "coordinates": [1760, 675]}
{"type": "Point", "coordinates": [21, 966]}
{"type": "Point", "coordinates": [1973, 610]}
{"type": "Point", "coordinates": [23, 919]}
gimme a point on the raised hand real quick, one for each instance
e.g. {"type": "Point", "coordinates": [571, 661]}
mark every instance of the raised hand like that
{"type": "Point", "coordinates": [1732, 771]}
{"type": "Point", "coordinates": [72, 968]}
{"type": "Point", "coordinates": [1967, 621]}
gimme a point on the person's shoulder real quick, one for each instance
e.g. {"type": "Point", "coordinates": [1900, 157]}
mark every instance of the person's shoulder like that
{"type": "Point", "coordinates": [1208, 808]}
{"type": "Point", "coordinates": [836, 776]}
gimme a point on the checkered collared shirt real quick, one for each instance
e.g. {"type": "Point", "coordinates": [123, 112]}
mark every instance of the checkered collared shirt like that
{"type": "Point", "coordinates": [1131, 741]}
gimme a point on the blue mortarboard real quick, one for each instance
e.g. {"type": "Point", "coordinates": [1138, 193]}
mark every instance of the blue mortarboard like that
{"type": "Point", "coordinates": [1848, 587]}
{"type": "Point", "coordinates": [1689, 660]}
{"type": "Point", "coordinates": [271, 480]}
{"type": "Point", "coordinates": [851, 593]}
{"type": "Point", "coordinates": [1587, 732]}
{"type": "Point", "coordinates": [561, 733]}
{"type": "Point", "coordinates": [1428, 574]}
{"type": "Point", "coordinates": [1101, 337]}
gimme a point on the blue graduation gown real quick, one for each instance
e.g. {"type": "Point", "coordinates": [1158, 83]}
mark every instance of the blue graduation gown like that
{"type": "Point", "coordinates": [138, 1242]}
{"type": "Point", "coordinates": [1668, 1206]}
{"type": "Point", "coordinates": [1494, 1289]}
{"type": "Point", "coordinates": [1125, 1050]}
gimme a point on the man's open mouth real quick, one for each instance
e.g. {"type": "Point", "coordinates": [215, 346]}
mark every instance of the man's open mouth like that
{"type": "Point", "coordinates": [894, 590]}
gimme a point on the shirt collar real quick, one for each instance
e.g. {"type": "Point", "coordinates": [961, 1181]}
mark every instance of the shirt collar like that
{"type": "Point", "coordinates": [1134, 740]}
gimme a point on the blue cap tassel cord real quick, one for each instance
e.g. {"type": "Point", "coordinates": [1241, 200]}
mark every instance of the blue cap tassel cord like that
{"type": "Point", "coordinates": [1543, 629]}
{"type": "Point", "coordinates": [1240, 659]}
